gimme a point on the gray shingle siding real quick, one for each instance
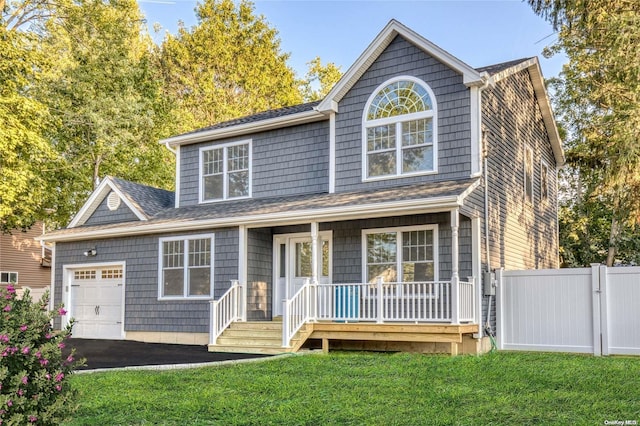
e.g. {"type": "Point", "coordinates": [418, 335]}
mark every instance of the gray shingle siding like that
{"type": "Point", "coordinates": [347, 244]}
{"type": "Point", "coordinates": [288, 161]}
{"type": "Point", "coordinates": [143, 310]}
{"type": "Point", "coordinates": [260, 274]}
{"type": "Point", "coordinates": [453, 109]}
{"type": "Point", "coordinates": [103, 215]}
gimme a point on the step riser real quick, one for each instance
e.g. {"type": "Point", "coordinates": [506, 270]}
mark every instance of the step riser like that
{"type": "Point", "coordinates": [269, 334]}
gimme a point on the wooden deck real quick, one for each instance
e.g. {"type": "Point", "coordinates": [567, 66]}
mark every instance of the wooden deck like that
{"type": "Point", "coordinates": [265, 337]}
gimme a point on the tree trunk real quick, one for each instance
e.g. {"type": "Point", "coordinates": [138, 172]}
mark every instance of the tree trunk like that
{"type": "Point", "coordinates": [613, 236]}
{"type": "Point", "coordinates": [96, 172]}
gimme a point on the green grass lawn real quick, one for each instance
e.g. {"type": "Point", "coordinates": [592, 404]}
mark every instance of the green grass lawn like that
{"type": "Point", "coordinates": [360, 388]}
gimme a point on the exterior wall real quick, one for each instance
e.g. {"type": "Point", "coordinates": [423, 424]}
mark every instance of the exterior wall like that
{"type": "Point", "coordinates": [347, 244]}
{"type": "Point", "coordinates": [523, 235]}
{"type": "Point", "coordinates": [453, 109]}
{"type": "Point", "coordinates": [289, 161]}
{"type": "Point", "coordinates": [103, 215]}
{"type": "Point", "coordinates": [20, 253]}
{"type": "Point", "coordinates": [143, 310]}
{"type": "Point", "coordinates": [260, 274]}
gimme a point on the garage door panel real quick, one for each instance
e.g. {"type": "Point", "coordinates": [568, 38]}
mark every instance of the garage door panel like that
{"type": "Point", "coordinates": [96, 303]}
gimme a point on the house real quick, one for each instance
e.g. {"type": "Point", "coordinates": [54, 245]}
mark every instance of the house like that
{"type": "Point", "coordinates": [365, 220]}
{"type": "Point", "coordinates": [25, 262]}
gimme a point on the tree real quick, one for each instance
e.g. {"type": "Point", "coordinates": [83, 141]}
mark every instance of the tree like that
{"type": "Point", "coordinates": [598, 101]}
{"type": "Point", "coordinates": [27, 160]}
{"type": "Point", "coordinates": [228, 65]}
{"type": "Point", "coordinates": [319, 79]}
{"type": "Point", "coordinates": [105, 100]}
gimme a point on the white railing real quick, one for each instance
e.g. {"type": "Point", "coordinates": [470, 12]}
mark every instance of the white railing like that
{"type": "Point", "coordinates": [407, 302]}
{"type": "Point", "coordinates": [229, 308]}
{"type": "Point", "coordinates": [297, 311]}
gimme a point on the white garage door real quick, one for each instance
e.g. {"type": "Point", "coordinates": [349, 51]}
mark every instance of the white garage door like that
{"type": "Point", "coordinates": [96, 303]}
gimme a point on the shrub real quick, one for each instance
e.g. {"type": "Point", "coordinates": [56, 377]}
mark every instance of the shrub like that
{"type": "Point", "coordinates": [34, 373]}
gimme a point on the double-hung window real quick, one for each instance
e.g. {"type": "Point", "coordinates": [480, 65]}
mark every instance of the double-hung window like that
{"type": "Point", "coordinates": [225, 171]}
{"type": "Point", "coordinates": [404, 255]}
{"type": "Point", "coordinates": [399, 136]}
{"type": "Point", "coordinates": [186, 267]}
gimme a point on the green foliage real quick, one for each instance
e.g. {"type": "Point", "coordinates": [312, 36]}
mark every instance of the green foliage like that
{"type": "Point", "coordinates": [27, 160]}
{"type": "Point", "coordinates": [228, 65]}
{"type": "Point", "coordinates": [598, 102]}
{"type": "Point", "coordinates": [319, 79]}
{"type": "Point", "coordinates": [371, 389]}
{"type": "Point", "coordinates": [34, 374]}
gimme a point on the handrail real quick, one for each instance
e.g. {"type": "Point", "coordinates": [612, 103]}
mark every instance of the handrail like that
{"type": "Point", "coordinates": [428, 301]}
{"type": "Point", "coordinates": [226, 310]}
{"type": "Point", "coordinates": [297, 311]}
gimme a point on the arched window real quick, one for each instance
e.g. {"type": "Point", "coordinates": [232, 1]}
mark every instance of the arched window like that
{"type": "Point", "coordinates": [398, 129]}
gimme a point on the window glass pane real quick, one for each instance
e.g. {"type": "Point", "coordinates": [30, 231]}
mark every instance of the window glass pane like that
{"type": "Point", "coordinates": [417, 159]}
{"type": "Point", "coordinates": [325, 258]}
{"type": "Point", "coordinates": [398, 98]}
{"type": "Point", "coordinates": [200, 252]}
{"type": "Point", "coordinates": [417, 132]}
{"type": "Point", "coordinates": [303, 260]}
{"type": "Point", "coordinates": [172, 282]}
{"type": "Point", "coordinates": [212, 187]}
{"type": "Point", "coordinates": [199, 281]}
{"type": "Point", "coordinates": [173, 255]}
{"type": "Point", "coordinates": [382, 164]}
{"type": "Point", "coordinates": [381, 137]}
{"type": "Point", "coordinates": [283, 260]}
{"type": "Point", "coordinates": [238, 157]}
{"type": "Point", "coordinates": [417, 256]}
{"type": "Point", "coordinates": [544, 183]}
{"type": "Point", "coordinates": [212, 161]}
{"type": "Point", "coordinates": [238, 184]}
{"type": "Point", "coordinates": [528, 175]}
{"type": "Point", "coordinates": [381, 256]}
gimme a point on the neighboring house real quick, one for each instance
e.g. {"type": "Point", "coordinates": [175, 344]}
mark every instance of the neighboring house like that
{"type": "Point", "coordinates": [358, 220]}
{"type": "Point", "coordinates": [25, 262]}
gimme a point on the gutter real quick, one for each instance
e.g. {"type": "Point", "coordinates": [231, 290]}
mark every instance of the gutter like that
{"type": "Point", "coordinates": [331, 214]}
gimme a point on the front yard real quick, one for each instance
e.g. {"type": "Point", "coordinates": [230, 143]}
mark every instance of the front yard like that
{"type": "Point", "coordinates": [371, 389]}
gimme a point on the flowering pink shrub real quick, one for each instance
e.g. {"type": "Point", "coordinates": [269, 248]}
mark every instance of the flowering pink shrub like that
{"type": "Point", "coordinates": [34, 374]}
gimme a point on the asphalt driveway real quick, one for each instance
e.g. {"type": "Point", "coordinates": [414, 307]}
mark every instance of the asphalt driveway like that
{"type": "Point", "coordinates": [122, 353]}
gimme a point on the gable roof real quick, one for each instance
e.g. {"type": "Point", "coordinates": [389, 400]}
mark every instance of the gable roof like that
{"type": "Point", "coordinates": [504, 70]}
{"type": "Point", "coordinates": [143, 201]}
{"type": "Point", "coordinates": [271, 211]}
{"type": "Point", "coordinates": [471, 77]}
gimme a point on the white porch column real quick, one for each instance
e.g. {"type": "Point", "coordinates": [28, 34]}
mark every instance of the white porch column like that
{"type": "Point", "coordinates": [455, 278]}
{"type": "Point", "coordinates": [314, 252]}
{"type": "Point", "coordinates": [242, 268]}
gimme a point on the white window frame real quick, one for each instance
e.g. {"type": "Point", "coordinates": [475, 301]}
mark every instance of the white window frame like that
{"type": "Point", "coordinates": [399, 231]}
{"type": "Point", "coordinates": [9, 274]}
{"type": "Point", "coordinates": [185, 266]}
{"type": "Point", "coordinates": [225, 173]}
{"type": "Point", "coordinates": [528, 151]}
{"type": "Point", "coordinates": [398, 120]}
{"type": "Point", "coordinates": [544, 166]}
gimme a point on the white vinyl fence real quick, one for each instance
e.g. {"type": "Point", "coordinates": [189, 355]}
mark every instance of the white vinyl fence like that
{"type": "Point", "coordinates": [591, 310]}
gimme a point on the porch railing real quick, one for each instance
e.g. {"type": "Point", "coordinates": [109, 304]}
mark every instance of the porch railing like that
{"type": "Point", "coordinates": [388, 302]}
{"type": "Point", "coordinates": [229, 308]}
{"type": "Point", "coordinates": [297, 311]}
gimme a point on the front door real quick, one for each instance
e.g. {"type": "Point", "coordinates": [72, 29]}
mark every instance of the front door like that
{"type": "Point", "coordinates": [292, 256]}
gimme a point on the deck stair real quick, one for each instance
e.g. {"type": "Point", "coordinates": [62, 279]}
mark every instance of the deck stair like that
{"type": "Point", "coordinates": [261, 337]}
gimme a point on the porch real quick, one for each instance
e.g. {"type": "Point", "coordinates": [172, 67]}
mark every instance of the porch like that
{"type": "Point", "coordinates": [431, 317]}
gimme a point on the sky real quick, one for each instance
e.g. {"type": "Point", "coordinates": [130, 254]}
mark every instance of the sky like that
{"type": "Point", "coordinates": [478, 32]}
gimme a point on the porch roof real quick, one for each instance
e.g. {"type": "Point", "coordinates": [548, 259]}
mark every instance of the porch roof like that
{"type": "Point", "coordinates": [403, 200]}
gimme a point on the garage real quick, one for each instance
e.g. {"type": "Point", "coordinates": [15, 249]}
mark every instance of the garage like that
{"type": "Point", "coordinates": [96, 302]}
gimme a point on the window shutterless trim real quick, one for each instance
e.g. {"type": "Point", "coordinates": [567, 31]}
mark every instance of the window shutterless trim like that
{"type": "Point", "coordinates": [398, 120]}
{"type": "Point", "coordinates": [399, 259]}
{"type": "Point", "coordinates": [225, 172]}
{"type": "Point", "coordinates": [185, 266]}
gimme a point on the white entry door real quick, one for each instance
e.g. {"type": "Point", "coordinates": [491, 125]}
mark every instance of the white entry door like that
{"type": "Point", "coordinates": [96, 302]}
{"type": "Point", "coordinates": [293, 265]}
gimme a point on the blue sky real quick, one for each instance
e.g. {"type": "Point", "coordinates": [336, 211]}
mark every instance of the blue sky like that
{"type": "Point", "coordinates": [478, 32]}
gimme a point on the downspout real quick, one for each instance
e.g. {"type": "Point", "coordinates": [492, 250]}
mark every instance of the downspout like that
{"type": "Point", "coordinates": [169, 147]}
{"type": "Point", "coordinates": [485, 152]}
